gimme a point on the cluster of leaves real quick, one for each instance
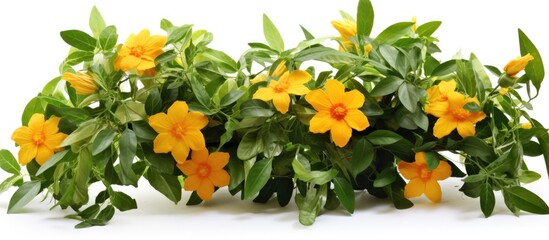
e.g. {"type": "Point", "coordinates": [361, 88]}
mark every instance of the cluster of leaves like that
{"type": "Point", "coordinates": [271, 154]}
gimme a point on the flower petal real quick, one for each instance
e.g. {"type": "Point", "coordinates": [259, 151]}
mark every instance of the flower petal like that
{"type": "Point", "coordinates": [442, 172]}
{"type": "Point", "coordinates": [437, 109]}
{"type": "Point", "coordinates": [194, 139]}
{"type": "Point", "coordinates": [353, 99]}
{"type": "Point", "coordinates": [356, 120]}
{"type": "Point", "coordinates": [129, 62]}
{"type": "Point", "coordinates": [188, 168]}
{"type": "Point", "coordinates": [53, 141]}
{"type": "Point", "coordinates": [22, 135]}
{"type": "Point", "coordinates": [321, 122]}
{"type": "Point", "coordinates": [218, 160]}
{"type": "Point", "coordinates": [433, 191]}
{"type": "Point", "coordinates": [476, 117]}
{"type": "Point", "coordinates": [408, 170]}
{"type": "Point", "coordinates": [420, 159]}
{"type": "Point", "coordinates": [414, 188]}
{"type": "Point", "coordinates": [192, 182]}
{"type": "Point", "coordinates": [36, 122]}
{"type": "Point", "coordinates": [50, 126]}
{"type": "Point", "coordinates": [180, 151]}
{"type": "Point", "coordinates": [43, 153]}
{"type": "Point", "coordinates": [155, 42]}
{"type": "Point", "coordinates": [319, 100]}
{"type": "Point", "coordinates": [219, 178]}
{"type": "Point", "coordinates": [164, 142]}
{"type": "Point", "coordinates": [444, 126]}
{"type": "Point", "coordinates": [161, 123]}
{"type": "Point", "coordinates": [281, 102]}
{"type": "Point", "coordinates": [27, 153]}
{"type": "Point", "coordinates": [266, 94]}
{"type": "Point", "coordinates": [466, 129]}
{"type": "Point", "coordinates": [178, 111]}
{"type": "Point", "coordinates": [196, 120]}
{"type": "Point", "coordinates": [200, 156]}
{"type": "Point", "coordinates": [445, 87]}
{"type": "Point", "coordinates": [205, 189]}
{"type": "Point", "coordinates": [298, 90]}
{"type": "Point", "coordinates": [145, 64]}
{"type": "Point", "coordinates": [299, 77]}
{"type": "Point", "coordinates": [335, 90]}
{"type": "Point", "coordinates": [341, 133]}
{"type": "Point", "coordinates": [143, 37]}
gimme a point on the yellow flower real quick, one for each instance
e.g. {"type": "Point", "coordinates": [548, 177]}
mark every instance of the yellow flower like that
{"type": "Point", "coordinates": [437, 94]}
{"type": "Point", "coordinates": [139, 52]}
{"type": "Point", "coordinates": [39, 140]}
{"type": "Point", "coordinates": [503, 90]}
{"type": "Point", "coordinates": [452, 115]}
{"type": "Point", "coordinates": [204, 172]}
{"type": "Point", "coordinates": [513, 67]}
{"type": "Point", "coordinates": [414, 20]}
{"type": "Point", "coordinates": [347, 30]}
{"type": "Point", "coordinates": [423, 180]}
{"type": "Point", "coordinates": [368, 48]}
{"type": "Point", "coordinates": [178, 131]}
{"type": "Point", "coordinates": [81, 82]}
{"type": "Point", "coordinates": [279, 91]}
{"type": "Point", "coordinates": [526, 125]}
{"type": "Point", "coordinates": [278, 72]}
{"type": "Point", "coordinates": [337, 112]}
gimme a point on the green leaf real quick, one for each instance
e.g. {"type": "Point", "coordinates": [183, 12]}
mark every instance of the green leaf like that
{"type": "Point", "coordinates": [363, 156]}
{"type": "Point", "coordinates": [529, 176]}
{"type": "Point", "coordinates": [10, 182]}
{"type": "Point", "coordinates": [128, 148]}
{"type": "Point", "coordinates": [106, 214]}
{"type": "Point", "coordinates": [165, 24]}
{"type": "Point", "coordinates": [302, 169]}
{"type": "Point", "coordinates": [383, 137]}
{"type": "Point", "coordinates": [483, 80]}
{"type": "Point", "coordinates": [85, 131]}
{"type": "Point", "coordinates": [526, 200]}
{"type": "Point", "coordinates": [394, 32]}
{"type": "Point", "coordinates": [387, 86]}
{"type": "Point", "coordinates": [122, 201]}
{"type": "Point", "coordinates": [231, 97]}
{"type": "Point", "coordinates": [409, 96]}
{"type": "Point", "coordinates": [130, 111]}
{"type": "Point", "coordinates": [153, 104]}
{"type": "Point", "coordinates": [8, 162]}
{"type": "Point", "coordinates": [74, 115]}
{"type": "Point", "coordinates": [365, 18]}
{"type": "Point", "coordinates": [445, 68]}
{"type": "Point", "coordinates": [272, 35]}
{"type": "Point", "coordinates": [79, 39]}
{"type": "Point", "coordinates": [250, 145]}
{"type": "Point", "coordinates": [58, 157]}
{"type": "Point", "coordinates": [487, 199]}
{"type": "Point", "coordinates": [258, 177]}
{"type": "Point", "coordinates": [166, 57]}
{"type": "Point", "coordinates": [23, 196]}
{"type": "Point", "coordinates": [345, 193]}
{"type": "Point", "coordinates": [82, 176]}
{"type": "Point", "coordinates": [475, 147]}
{"type": "Point", "coordinates": [326, 54]}
{"type": "Point", "coordinates": [103, 140]}
{"type": "Point", "coordinates": [306, 33]}
{"type": "Point", "coordinates": [310, 205]}
{"type": "Point", "coordinates": [255, 108]}
{"type": "Point", "coordinates": [96, 22]}
{"type": "Point", "coordinates": [35, 105]}
{"type": "Point", "coordinates": [175, 34]}
{"type": "Point", "coordinates": [78, 56]}
{"type": "Point", "coordinates": [385, 177]}
{"type": "Point", "coordinates": [90, 212]}
{"type": "Point", "coordinates": [427, 29]}
{"type": "Point", "coordinates": [165, 184]}
{"type": "Point", "coordinates": [200, 92]}
{"type": "Point", "coordinates": [143, 131]}
{"type": "Point", "coordinates": [432, 160]}
{"type": "Point", "coordinates": [226, 62]}
{"type": "Point", "coordinates": [108, 38]}
{"type": "Point", "coordinates": [194, 199]}
{"type": "Point", "coordinates": [472, 107]}
{"type": "Point", "coordinates": [534, 70]}
{"type": "Point", "coordinates": [164, 162]}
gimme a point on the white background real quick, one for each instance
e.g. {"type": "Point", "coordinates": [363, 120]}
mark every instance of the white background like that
{"type": "Point", "coordinates": [31, 51]}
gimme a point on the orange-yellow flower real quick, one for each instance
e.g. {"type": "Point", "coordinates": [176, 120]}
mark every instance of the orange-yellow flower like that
{"type": "Point", "coordinates": [347, 30]}
{"type": "Point", "coordinates": [503, 91]}
{"type": "Point", "coordinates": [39, 140]}
{"type": "Point", "coordinates": [337, 112]}
{"type": "Point", "coordinates": [204, 172]}
{"type": "Point", "coordinates": [437, 94]}
{"type": "Point", "coordinates": [513, 67]}
{"type": "Point", "coordinates": [81, 82]}
{"type": "Point", "coordinates": [368, 48]}
{"type": "Point", "coordinates": [178, 131]}
{"type": "Point", "coordinates": [527, 125]}
{"type": "Point", "coordinates": [277, 73]}
{"type": "Point", "coordinates": [139, 52]}
{"type": "Point", "coordinates": [279, 91]}
{"type": "Point", "coordinates": [414, 20]}
{"type": "Point", "coordinates": [452, 115]}
{"type": "Point", "coordinates": [423, 180]}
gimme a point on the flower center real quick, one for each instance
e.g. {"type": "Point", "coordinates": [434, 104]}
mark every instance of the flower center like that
{"type": "Point", "coordinates": [137, 51]}
{"type": "Point", "coordinates": [280, 87]}
{"type": "Point", "coordinates": [460, 114]}
{"type": "Point", "coordinates": [38, 138]}
{"type": "Point", "coordinates": [338, 111]}
{"type": "Point", "coordinates": [424, 173]}
{"type": "Point", "coordinates": [178, 130]}
{"type": "Point", "coordinates": [203, 170]}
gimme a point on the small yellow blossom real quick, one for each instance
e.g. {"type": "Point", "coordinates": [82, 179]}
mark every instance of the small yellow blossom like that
{"type": "Point", "coordinates": [204, 172]}
{"type": "Point", "coordinates": [279, 91]}
{"type": "Point", "coordinates": [503, 91]}
{"type": "Point", "coordinates": [81, 82]}
{"type": "Point", "coordinates": [139, 52]}
{"type": "Point", "coordinates": [513, 67]}
{"type": "Point", "coordinates": [452, 115]}
{"type": "Point", "coordinates": [527, 125]}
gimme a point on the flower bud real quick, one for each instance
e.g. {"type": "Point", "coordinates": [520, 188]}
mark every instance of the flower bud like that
{"type": "Point", "coordinates": [516, 65]}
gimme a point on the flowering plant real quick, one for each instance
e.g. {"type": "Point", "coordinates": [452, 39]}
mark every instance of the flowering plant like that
{"type": "Point", "coordinates": [379, 117]}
